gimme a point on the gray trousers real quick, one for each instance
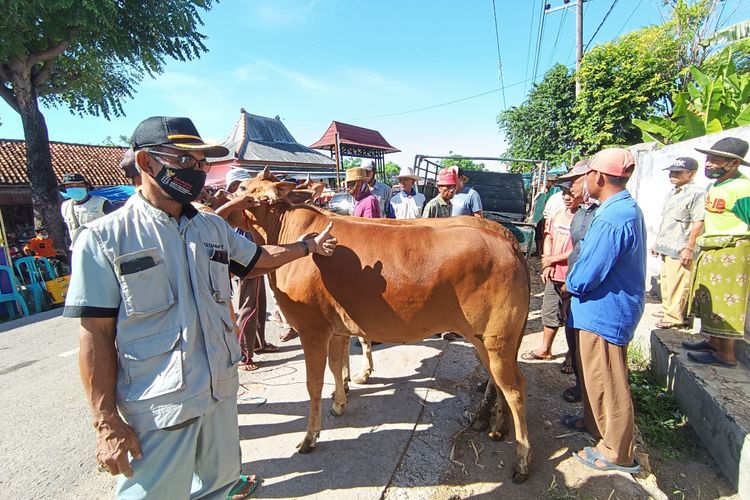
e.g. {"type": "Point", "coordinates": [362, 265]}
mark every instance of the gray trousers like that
{"type": "Point", "coordinates": [200, 461]}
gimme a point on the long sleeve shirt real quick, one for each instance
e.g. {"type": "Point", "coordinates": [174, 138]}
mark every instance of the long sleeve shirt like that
{"type": "Point", "coordinates": [608, 282]}
{"type": "Point", "coordinates": [367, 206]}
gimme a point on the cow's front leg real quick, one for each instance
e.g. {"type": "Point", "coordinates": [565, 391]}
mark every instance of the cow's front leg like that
{"type": "Point", "coordinates": [338, 344]}
{"type": "Point", "coordinates": [367, 366]}
{"type": "Point", "coordinates": [316, 350]}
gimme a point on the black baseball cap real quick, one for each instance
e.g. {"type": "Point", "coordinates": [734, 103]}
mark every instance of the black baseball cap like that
{"type": "Point", "coordinates": [683, 163]}
{"type": "Point", "coordinates": [74, 178]}
{"type": "Point", "coordinates": [175, 132]}
{"type": "Point", "coordinates": [728, 147]}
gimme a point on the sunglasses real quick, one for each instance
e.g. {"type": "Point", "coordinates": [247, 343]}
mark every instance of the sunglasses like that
{"type": "Point", "coordinates": [184, 161]}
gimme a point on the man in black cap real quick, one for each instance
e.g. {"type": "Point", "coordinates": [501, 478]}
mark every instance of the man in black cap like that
{"type": "Point", "coordinates": [81, 207]}
{"type": "Point", "coordinates": [722, 277]}
{"type": "Point", "coordinates": [681, 224]}
{"type": "Point", "coordinates": [158, 353]}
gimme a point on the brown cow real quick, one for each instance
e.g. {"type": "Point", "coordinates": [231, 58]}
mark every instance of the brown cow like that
{"type": "Point", "coordinates": [418, 278]}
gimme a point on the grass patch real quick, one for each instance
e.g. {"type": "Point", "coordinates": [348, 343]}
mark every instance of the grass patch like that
{"type": "Point", "coordinates": [657, 414]}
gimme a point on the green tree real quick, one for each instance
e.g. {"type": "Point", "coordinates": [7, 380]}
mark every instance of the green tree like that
{"type": "Point", "coordinates": [88, 56]}
{"type": "Point", "coordinates": [631, 77]}
{"type": "Point", "coordinates": [351, 162]}
{"type": "Point", "coordinates": [391, 170]}
{"type": "Point", "coordinates": [540, 128]}
{"type": "Point", "coordinates": [463, 163]}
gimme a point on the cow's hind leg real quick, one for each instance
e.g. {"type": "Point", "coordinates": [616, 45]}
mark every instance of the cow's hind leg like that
{"type": "Point", "coordinates": [336, 347]}
{"type": "Point", "coordinates": [316, 350]}
{"type": "Point", "coordinates": [510, 381]}
{"type": "Point", "coordinates": [367, 366]}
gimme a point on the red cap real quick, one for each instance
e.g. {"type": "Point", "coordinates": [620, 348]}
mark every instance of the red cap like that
{"type": "Point", "coordinates": [447, 177]}
{"type": "Point", "coordinates": [614, 161]}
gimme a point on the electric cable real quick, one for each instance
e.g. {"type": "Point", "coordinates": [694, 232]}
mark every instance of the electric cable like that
{"type": "Point", "coordinates": [539, 41]}
{"type": "Point", "coordinates": [499, 60]}
{"type": "Point", "coordinates": [611, 7]}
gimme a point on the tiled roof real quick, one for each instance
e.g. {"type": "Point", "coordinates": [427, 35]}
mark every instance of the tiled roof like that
{"type": "Point", "coordinates": [100, 164]}
{"type": "Point", "coordinates": [353, 136]}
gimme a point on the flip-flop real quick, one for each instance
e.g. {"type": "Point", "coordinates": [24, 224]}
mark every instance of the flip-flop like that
{"type": "Point", "coordinates": [663, 325]}
{"type": "Point", "coordinates": [248, 367]}
{"type": "Point", "coordinates": [243, 488]}
{"type": "Point", "coordinates": [709, 358]}
{"type": "Point", "coordinates": [593, 455]}
{"type": "Point", "coordinates": [532, 356]}
{"type": "Point", "coordinates": [288, 335]}
{"type": "Point", "coordinates": [571, 422]}
{"type": "Point", "coordinates": [572, 395]}
{"type": "Point", "coordinates": [700, 346]}
{"type": "Point", "coordinates": [267, 348]}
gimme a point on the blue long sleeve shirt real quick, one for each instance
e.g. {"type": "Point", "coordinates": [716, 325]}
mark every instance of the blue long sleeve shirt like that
{"type": "Point", "coordinates": [608, 282]}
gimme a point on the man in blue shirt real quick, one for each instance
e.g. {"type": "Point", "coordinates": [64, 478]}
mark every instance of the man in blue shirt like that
{"type": "Point", "coordinates": [466, 201]}
{"type": "Point", "coordinates": [608, 286]}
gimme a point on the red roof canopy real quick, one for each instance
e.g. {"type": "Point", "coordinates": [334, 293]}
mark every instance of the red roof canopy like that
{"type": "Point", "coordinates": [352, 135]}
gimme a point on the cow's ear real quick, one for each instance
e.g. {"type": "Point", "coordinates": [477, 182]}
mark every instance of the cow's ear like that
{"type": "Point", "coordinates": [281, 189]}
{"type": "Point", "coordinates": [265, 174]}
{"type": "Point", "coordinates": [317, 190]}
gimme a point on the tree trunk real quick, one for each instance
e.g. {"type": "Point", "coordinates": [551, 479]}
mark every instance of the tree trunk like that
{"type": "Point", "coordinates": [44, 191]}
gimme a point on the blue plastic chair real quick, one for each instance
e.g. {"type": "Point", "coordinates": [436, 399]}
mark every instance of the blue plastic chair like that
{"type": "Point", "coordinates": [33, 271]}
{"type": "Point", "coordinates": [14, 297]}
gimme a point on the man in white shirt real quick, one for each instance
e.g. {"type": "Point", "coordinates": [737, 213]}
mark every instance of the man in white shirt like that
{"type": "Point", "coordinates": [408, 202]}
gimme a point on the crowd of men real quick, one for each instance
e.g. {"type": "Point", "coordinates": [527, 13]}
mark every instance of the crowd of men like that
{"type": "Point", "coordinates": [159, 352]}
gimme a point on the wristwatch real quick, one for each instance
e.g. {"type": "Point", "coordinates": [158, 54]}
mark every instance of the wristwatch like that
{"type": "Point", "coordinates": [305, 247]}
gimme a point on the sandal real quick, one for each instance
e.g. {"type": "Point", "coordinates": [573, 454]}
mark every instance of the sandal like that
{"type": "Point", "coordinates": [592, 455]}
{"type": "Point", "coordinates": [572, 394]}
{"type": "Point", "coordinates": [663, 325]}
{"type": "Point", "coordinates": [533, 356]}
{"type": "Point", "coordinates": [267, 348]}
{"type": "Point", "coordinates": [243, 488]}
{"type": "Point", "coordinates": [574, 422]}
{"type": "Point", "coordinates": [288, 335]}
{"type": "Point", "coordinates": [709, 358]}
{"type": "Point", "coordinates": [248, 366]}
{"type": "Point", "coordinates": [700, 346]}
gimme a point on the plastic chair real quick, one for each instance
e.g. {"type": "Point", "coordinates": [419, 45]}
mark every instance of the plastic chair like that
{"type": "Point", "coordinates": [32, 270]}
{"type": "Point", "coordinates": [14, 297]}
{"type": "Point", "coordinates": [46, 270]}
{"type": "Point", "coordinates": [28, 270]}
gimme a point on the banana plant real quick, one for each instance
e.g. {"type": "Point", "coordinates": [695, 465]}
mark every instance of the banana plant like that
{"type": "Point", "coordinates": [710, 104]}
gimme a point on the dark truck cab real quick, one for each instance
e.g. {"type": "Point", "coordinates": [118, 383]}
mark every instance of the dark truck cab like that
{"type": "Point", "coordinates": [505, 196]}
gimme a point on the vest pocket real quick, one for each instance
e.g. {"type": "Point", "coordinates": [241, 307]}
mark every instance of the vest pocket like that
{"type": "Point", "coordinates": [153, 365]}
{"type": "Point", "coordinates": [145, 284]}
{"type": "Point", "coordinates": [220, 285]}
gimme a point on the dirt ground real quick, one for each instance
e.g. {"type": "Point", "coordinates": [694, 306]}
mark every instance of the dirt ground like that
{"type": "Point", "coordinates": [555, 474]}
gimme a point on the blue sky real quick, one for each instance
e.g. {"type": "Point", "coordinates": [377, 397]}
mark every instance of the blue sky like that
{"type": "Point", "coordinates": [314, 61]}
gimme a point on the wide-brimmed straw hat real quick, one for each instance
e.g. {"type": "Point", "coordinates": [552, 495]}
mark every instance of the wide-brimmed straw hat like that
{"type": "Point", "coordinates": [356, 174]}
{"type": "Point", "coordinates": [407, 173]}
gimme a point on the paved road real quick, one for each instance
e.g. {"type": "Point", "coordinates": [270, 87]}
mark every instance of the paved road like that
{"type": "Point", "coordinates": [403, 435]}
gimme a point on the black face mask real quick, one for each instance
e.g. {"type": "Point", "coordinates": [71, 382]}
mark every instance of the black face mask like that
{"type": "Point", "coordinates": [181, 184]}
{"type": "Point", "coordinates": [714, 173]}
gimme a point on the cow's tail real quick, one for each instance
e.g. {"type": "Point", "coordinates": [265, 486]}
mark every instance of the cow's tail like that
{"type": "Point", "coordinates": [522, 258]}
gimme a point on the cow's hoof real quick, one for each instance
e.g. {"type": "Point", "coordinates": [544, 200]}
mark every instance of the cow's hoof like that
{"type": "Point", "coordinates": [362, 378]}
{"type": "Point", "coordinates": [496, 435]}
{"type": "Point", "coordinates": [519, 476]}
{"type": "Point", "coordinates": [480, 424]}
{"type": "Point", "coordinates": [337, 409]}
{"type": "Point", "coordinates": [307, 445]}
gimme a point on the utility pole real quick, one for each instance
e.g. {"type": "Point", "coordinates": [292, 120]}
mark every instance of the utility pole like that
{"type": "Point", "coordinates": [579, 31]}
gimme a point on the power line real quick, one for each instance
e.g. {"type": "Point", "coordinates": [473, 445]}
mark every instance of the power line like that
{"type": "Point", "coordinates": [601, 24]}
{"type": "Point", "coordinates": [539, 41]}
{"type": "Point", "coordinates": [629, 17]}
{"type": "Point", "coordinates": [528, 51]}
{"type": "Point", "coordinates": [557, 38]}
{"type": "Point", "coordinates": [499, 60]}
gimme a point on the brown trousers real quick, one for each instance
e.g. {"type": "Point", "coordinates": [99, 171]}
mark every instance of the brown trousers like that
{"type": "Point", "coordinates": [608, 407]}
{"type": "Point", "coordinates": [674, 281]}
{"type": "Point", "coordinates": [251, 315]}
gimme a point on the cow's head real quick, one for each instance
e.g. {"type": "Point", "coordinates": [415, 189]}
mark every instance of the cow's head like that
{"type": "Point", "coordinates": [274, 195]}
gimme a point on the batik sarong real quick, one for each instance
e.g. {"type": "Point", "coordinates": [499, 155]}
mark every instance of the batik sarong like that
{"type": "Point", "coordinates": [721, 286]}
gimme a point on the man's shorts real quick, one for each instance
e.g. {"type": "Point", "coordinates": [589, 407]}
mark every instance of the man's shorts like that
{"type": "Point", "coordinates": [554, 308]}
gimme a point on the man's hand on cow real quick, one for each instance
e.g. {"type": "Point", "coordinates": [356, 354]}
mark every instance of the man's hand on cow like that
{"type": "Point", "coordinates": [324, 243]}
{"type": "Point", "coordinates": [243, 202]}
{"type": "Point", "coordinates": [114, 440]}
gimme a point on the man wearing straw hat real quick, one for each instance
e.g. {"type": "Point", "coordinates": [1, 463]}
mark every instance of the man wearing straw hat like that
{"type": "Point", "coordinates": [407, 203]}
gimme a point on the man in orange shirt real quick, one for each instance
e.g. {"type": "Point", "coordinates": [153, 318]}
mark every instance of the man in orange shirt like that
{"type": "Point", "coordinates": [41, 245]}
